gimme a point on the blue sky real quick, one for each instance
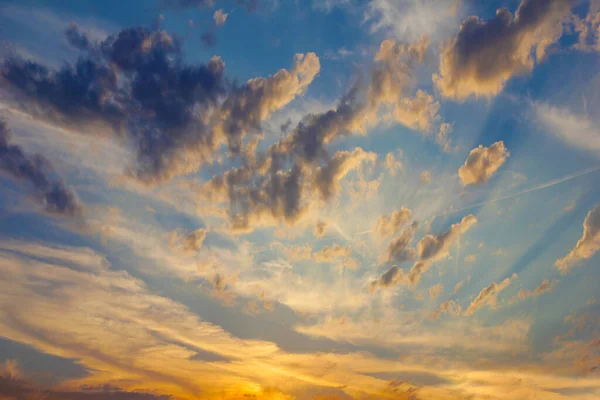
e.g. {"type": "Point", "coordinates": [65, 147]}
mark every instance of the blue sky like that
{"type": "Point", "coordinates": [320, 199]}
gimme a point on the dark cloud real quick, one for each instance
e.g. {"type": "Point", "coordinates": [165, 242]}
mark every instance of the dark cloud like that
{"type": "Point", "coordinates": [53, 195]}
{"type": "Point", "coordinates": [18, 389]}
{"type": "Point", "coordinates": [208, 39]}
{"type": "Point", "coordinates": [78, 39]}
{"type": "Point", "coordinates": [258, 193]}
{"type": "Point", "coordinates": [399, 249]}
{"type": "Point", "coordinates": [432, 248]}
{"type": "Point", "coordinates": [485, 54]}
{"type": "Point", "coordinates": [136, 84]}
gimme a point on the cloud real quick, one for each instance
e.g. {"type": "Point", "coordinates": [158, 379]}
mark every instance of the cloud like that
{"type": "Point", "coordinates": [53, 195]}
{"type": "Point", "coordinates": [588, 28]}
{"type": "Point", "coordinates": [458, 287]}
{"type": "Point", "coordinates": [512, 46]}
{"type": "Point", "coordinates": [483, 163]}
{"type": "Point", "coordinates": [576, 130]}
{"type": "Point", "coordinates": [412, 19]}
{"type": "Point", "coordinates": [331, 254]}
{"type": "Point", "coordinates": [471, 258]}
{"type": "Point", "coordinates": [489, 296]}
{"type": "Point", "coordinates": [193, 241]}
{"type": "Point", "coordinates": [425, 177]}
{"type": "Point", "coordinates": [135, 84]}
{"type": "Point", "coordinates": [436, 290]}
{"type": "Point", "coordinates": [390, 278]}
{"type": "Point", "coordinates": [433, 248]}
{"type": "Point", "coordinates": [586, 246]}
{"type": "Point", "coordinates": [220, 17]}
{"type": "Point", "coordinates": [19, 389]}
{"type": "Point", "coordinates": [390, 223]}
{"type": "Point", "coordinates": [328, 176]}
{"type": "Point", "coordinates": [10, 371]}
{"type": "Point", "coordinates": [449, 307]}
{"type": "Point", "coordinates": [208, 39]}
{"type": "Point", "coordinates": [544, 287]}
{"type": "Point", "coordinates": [419, 112]}
{"type": "Point", "coordinates": [399, 249]}
{"type": "Point", "coordinates": [320, 229]}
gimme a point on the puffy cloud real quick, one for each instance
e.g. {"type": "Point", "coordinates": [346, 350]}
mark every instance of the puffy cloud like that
{"type": "Point", "coordinates": [544, 287]}
{"type": "Point", "coordinates": [220, 17]}
{"type": "Point", "coordinates": [399, 249]}
{"type": "Point", "coordinates": [331, 254]}
{"type": "Point", "coordinates": [135, 83]}
{"type": "Point", "coordinates": [390, 278]}
{"type": "Point", "coordinates": [471, 258]}
{"type": "Point", "coordinates": [436, 290]}
{"type": "Point", "coordinates": [247, 106]}
{"type": "Point", "coordinates": [320, 229]}
{"type": "Point", "coordinates": [208, 39]}
{"type": "Point", "coordinates": [458, 287]}
{"type": "Point", "coordinates": [419, 112]}
{"type": "Point", "coordinates": [588, 28]}
{"type": "Point", "coordinates": [434, 248]}
{"type": "Point", "coordinates": [53, 195]}
{"type": "Point", "coordinates": [442, 137]}
{"type": "Point", "coordinates": [298, 253]}
{"type": "Point", "coordinates": [390, 223]}
{"type": "Point", "coordinates": [328, 176]}
{"type": "Point", "coordinates": [489, 295]}
{"type": "Point", "coordinates": [482, 163]}
{"type": "Point", "coordinates": [425, 177]}
{"type": "Point", "coordinates": [393, 73]}
{"type": "Point", "coordinates": [392, 163]}
{"type": "Point", "coordinates": [486, 54]}
{"type": "Point", "coordinates": [280, 184]}
{"type": "Point", "coordinates": [586, 246]}
{"type": "Point", "coordinates": [449, 307]}
{"type": "Point", "coordinates": [193, 241]}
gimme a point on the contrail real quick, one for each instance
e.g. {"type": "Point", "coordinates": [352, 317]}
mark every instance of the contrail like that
{"type": "Point", "coordinates": [533, 189]}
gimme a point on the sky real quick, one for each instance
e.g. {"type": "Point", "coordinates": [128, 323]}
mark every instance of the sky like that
{"type": "Point", "coordinates": [299, 199]}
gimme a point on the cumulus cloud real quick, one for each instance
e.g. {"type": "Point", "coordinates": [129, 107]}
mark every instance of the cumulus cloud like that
{"type": "Point", "coordinates": [483, 163]}
{"type": "Point", "coordinates": [419, 112]}
{"type": "Point", "coordinates": [544, 287]}
{"type": "Point", "coordinates": [52, 194]}
{"type": "Point", "coordinates": [328, 176]}
{"type": "Point", "coordinates": [489, 296]}
{"type": "Point", "coordinates": [280, 184]}
{"type": "Point", "coordinates": [586, 246]}
{"type": "Point", "coordinates": [320, 229]}
{"type": "Point", "coordinates": [433, 248]}
{"type": "Point", "coordinates": [399, 249]}
{"type": "Point", "coordinates": [512, 46]}
{"type": "Point", "coordinates": [220, 17]}
{"type": "Point", "coordinates": [390, 223]}
{"type": "Point", "coordinates": [449, 307]}
{"type": "Point", "coordinates": [390, 278]}
{"type": "Point", "coordinates": [136, 84]}
{"type": "Point", "coordinates": [458, 287]}
{"type": "Point", "coordinates": [331, 254]}
{"type": "Point", "coordinates": [436, 290]}
{"type": "Point", "coordinates": [588, 28]}
{"type": "Point", "coordinates": [208, 39]}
